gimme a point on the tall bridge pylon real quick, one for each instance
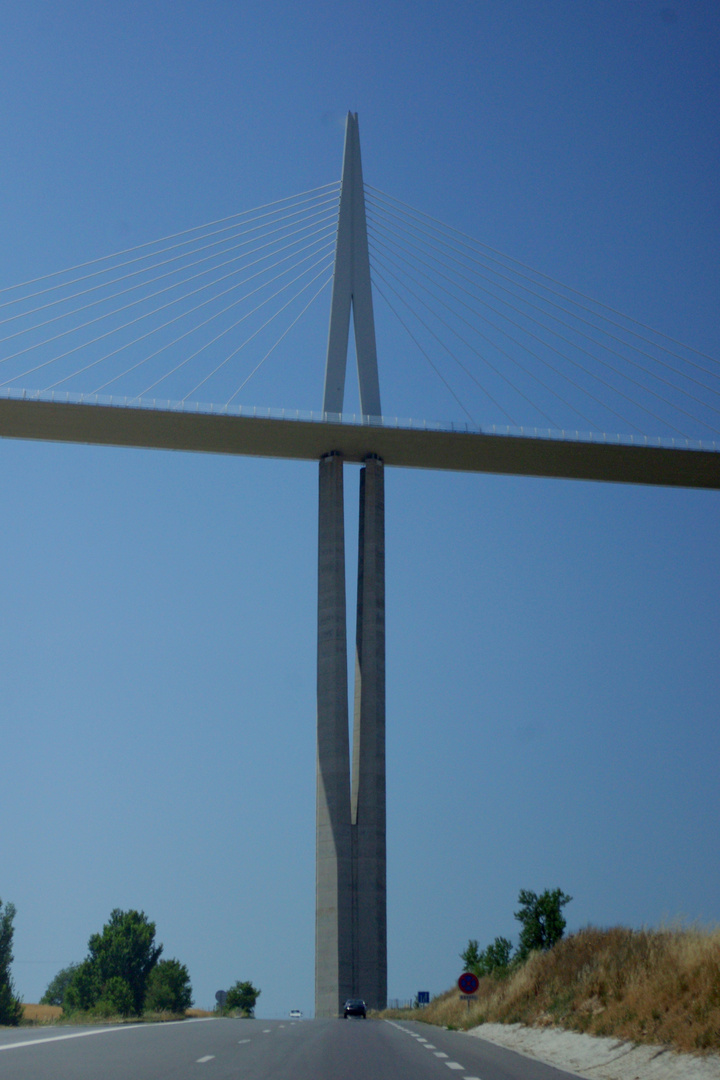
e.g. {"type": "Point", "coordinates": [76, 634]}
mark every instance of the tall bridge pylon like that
{"type": "Point", "coordinates": [351, 919]}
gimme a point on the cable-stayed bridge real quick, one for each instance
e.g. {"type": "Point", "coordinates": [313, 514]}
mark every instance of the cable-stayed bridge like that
{"type": "Point", "coordinates": [158, 346]}
{"type": "Point", "coordinates": [168, 342]}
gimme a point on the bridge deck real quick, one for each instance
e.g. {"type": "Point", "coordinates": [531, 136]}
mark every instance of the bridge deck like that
{"type": "Point", "coordinates": [410, 448]}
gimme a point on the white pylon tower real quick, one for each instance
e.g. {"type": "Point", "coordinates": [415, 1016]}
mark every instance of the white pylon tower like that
{"type": "Point", "coordinates": [351, 918]}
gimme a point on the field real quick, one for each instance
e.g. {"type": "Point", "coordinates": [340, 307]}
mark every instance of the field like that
{"type": "Point", "coordinates": [41, 1014]}
{"type": "Point", "coordinates": [53, 1014]}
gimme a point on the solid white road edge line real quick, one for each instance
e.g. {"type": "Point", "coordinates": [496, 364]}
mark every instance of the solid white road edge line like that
{"type": "Point", "coordinates": [100, 1031]}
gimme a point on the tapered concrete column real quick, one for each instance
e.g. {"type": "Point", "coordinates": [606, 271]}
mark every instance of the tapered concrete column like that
{"type": "Point", "coordinates": [368, 787]}
{"type": "Point", "coordinates": [333, 925]}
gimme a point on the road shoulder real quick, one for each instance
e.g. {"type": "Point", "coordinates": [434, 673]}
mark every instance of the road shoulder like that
{"type": "Point", "coordinates": [599, 1058]}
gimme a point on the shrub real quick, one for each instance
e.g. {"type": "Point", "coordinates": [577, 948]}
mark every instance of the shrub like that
{"type": "Point", "coordinates": [117, 998]}
{"type": "Point", "coordinates": [57, 987]}
{"type": "Point", "coordinates": [242, 996]}
{"type": "Point", "coordinates": [169, 988]}
{"type": "Point", "coordinates": [494, 960]}
{"type": "Point", "coordinates": [83, 989]}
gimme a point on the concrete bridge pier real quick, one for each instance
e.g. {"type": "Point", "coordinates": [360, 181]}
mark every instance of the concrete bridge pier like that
{"type": "Point", "coordinates": [334, 876]}
{"type": "Point", "coordinates": [368, 762]}
{"type": "Point", "coordinates": [351, 921]}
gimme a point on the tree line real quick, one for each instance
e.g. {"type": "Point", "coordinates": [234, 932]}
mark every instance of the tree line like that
{"type": "Point", "coordinates": [122, 975]}
{"type": "Point", "coordinates": [542, 925]}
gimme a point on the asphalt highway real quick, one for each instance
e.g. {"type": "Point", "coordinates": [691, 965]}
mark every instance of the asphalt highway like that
{"type": "Point", "coordinates": [260, 1050]}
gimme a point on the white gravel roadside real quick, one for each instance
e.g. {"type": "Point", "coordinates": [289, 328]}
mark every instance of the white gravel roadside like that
{"type": "Point", "coordinates": [599, 1058]}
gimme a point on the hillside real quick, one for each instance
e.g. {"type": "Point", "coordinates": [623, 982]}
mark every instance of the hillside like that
{"type": "Point", "coordinates": [647, 986]}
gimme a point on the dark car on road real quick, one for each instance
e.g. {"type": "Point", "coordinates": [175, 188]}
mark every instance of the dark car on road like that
{"type": "Point", "coordinates": [355, 1007]}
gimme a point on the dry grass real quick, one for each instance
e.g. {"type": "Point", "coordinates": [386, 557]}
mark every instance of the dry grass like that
{"type": "Point", "coordinates": [41, 1014]}
{"type": "Point", "coordinates": [53, 1014]}
{"type": "Point", "coordinates": [647, 986]}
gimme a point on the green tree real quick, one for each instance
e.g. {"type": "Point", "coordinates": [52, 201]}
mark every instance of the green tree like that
{"type": "Point", "coordinates": [169, 988]}
{"type": "Point", "coordinates": [242, 996]}
{"type": "Point", "coordinates": [471, 956]}
{"type": "Point", "coordinates": [10, 1005]}
{"type": "Point", "coordinates": [493, 960]}
{"type": "Point", "coordinates": [496, 958]}
{"type": "Point", "coordinates": [57, 987]}
{"type": "Point", "coordinates": [542, 920]}
{"type": "Point", "coordinates": [125, 950]}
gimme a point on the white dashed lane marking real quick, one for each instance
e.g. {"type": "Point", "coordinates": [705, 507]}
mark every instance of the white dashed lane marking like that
{"type": "Point", "coordinates": [243, 1041]}
{"type": "Point", "coordinates": [202, 1060]}
{"type": "Point", "coordinates": [454, 1065]}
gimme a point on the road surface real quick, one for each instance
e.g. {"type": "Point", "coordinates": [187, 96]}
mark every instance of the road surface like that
{"type": "Point", "coordinates": [223, 1049]}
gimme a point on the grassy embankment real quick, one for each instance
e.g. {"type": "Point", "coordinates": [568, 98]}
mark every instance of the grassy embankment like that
{"type": "Point", "coordinates": [647, 986]}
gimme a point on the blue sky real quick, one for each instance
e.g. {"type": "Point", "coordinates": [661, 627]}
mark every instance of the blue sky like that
{"type": "Point", "coordinates": [553, 681]}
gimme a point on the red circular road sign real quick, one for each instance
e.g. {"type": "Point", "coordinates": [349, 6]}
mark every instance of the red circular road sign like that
{"type": "Point", "coordinates": [468, 982]}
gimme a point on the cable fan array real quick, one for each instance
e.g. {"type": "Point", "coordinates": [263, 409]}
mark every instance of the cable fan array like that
{"type": "Point", "coordinates": [190, 317]}
{"type": "Point", "coordinates": [197, 315]}
{"type": "Point", "coordinates": [513, 347]}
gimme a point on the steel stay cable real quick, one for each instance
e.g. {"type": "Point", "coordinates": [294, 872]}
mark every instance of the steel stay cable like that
{"type": "Point", "coordinates": [582, 307]}
{"type": "Point", "coordinates": [597, 359]}
{"type": "Point", "coordinates": [405, 327]}
{"type": "Point", "coordinates": [281, 338]}
{"type": "Point", "coordinates": [569, 359]}
{"type": "Point", "coordinates": [186, 334]}
{"type": "Point", "coordinates": [236, 260]}
{"type": "Point", "coordinates": [229, 328]}
{"type": "Point", "coordinates": [411, 335]}
{"type": "Point", "coordinates": [579, 318]}
{"type": "Point", "coordinates": [497, 348]}
{"type": "Point", "coordinates": [156, 329]}
{"type": "Point", "coordinates": [600, 329]}
{"type": "Point", "coordinates": [327, 216]}
{"type": "Point", "coordinates": [439, 375]}
{"type": "Point", "coordinates": [162, 307]}
{"type": "Point", "coordinates": [547, 277]}
{"type": "Point", "coordinates": [575, 292]}
{"type": "Point", "coordinates": [161, 240]}
{"type": "Point", "coordinates": [330, 217]}
{"type": "Point", "coordinates": [265, 325]}
{"type": "Point", "coordinates": [382, 210]}
{"type": "Point", "coordinates": [530, 352]}
{"type": "Point", "coordinates": [461, 365]}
